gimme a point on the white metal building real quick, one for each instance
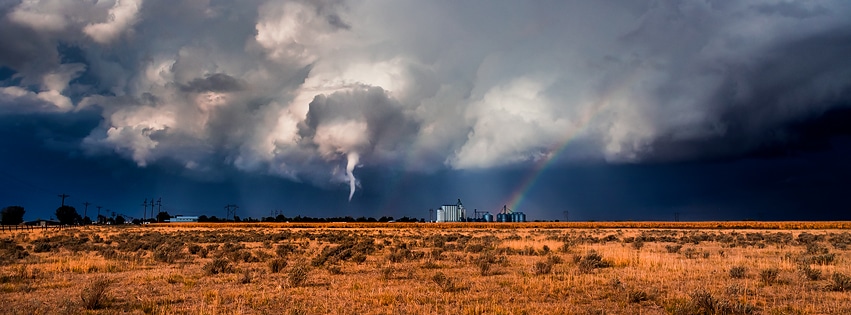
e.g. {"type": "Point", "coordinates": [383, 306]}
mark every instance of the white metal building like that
{"type": "Point", "coordinates": [181, 218]}
{"type": "Point", "coordinates": [451, 213]}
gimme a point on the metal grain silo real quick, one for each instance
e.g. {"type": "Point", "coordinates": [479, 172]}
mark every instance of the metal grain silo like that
{"type": "Point", "coordinates": [488, 217]}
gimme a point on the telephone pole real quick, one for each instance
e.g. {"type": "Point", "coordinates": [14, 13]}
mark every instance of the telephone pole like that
{"type": "Point", "coordinates": [99, 214]}
{"type": "Point", "coordinates": [86, 209]}
{"type": "Point", "coordinates": [63, 196]}
{"type": "Point", "coordinates": [145, 210]}
{"type": "Point", "coordinates": [153, 216]}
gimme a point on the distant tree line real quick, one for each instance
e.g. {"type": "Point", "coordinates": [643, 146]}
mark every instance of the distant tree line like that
{"type": "Point", "coordinates": [12, 215]}
{"type": "Point", "coordinates": [68, 215]}
{"type": "Point", "coordinates": [282, 218]}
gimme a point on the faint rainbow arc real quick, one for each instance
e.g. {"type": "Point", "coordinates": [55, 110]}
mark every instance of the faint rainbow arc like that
{"type": "Point", "coordinates": [519, 194]}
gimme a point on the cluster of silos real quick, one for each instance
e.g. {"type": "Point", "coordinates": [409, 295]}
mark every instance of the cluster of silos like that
{"type": "Point", "coordinates": [505, 217]}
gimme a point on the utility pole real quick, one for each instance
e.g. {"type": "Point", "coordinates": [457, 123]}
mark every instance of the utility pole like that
{"type": "Point", "coordinates": [86, 209]}
{"type": "Point", "coordinates": [154, 216]}
{"type": "Point", "coordinates": [145, 210]}
{"type": "Point", "coordinates": [63, 196]}
{"type": "Point", "coordinates": [565, 216]}
{"type": "Point", "coordinates": [159, 205]}
{"type": "Point", "coordinates": [676, 217]}
{"type": "Point", "coordinates": [99, 214]}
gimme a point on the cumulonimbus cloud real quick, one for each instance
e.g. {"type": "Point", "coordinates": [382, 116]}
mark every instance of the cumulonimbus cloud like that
{"type": "Point", "coordinates": [311, 90]}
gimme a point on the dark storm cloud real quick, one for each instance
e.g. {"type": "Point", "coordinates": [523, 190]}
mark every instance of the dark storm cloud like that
{"type": "Point", "coordinates": [361, 123]}
{"type": "Point", "coordinates": [388, 128]}
{"type": "Point", "coordinates": [310, 90]}
{"type": "Point", "coordinates": [218, 82]}
{"type": "Point", "coordinates": [796, 96]}
{"type": "Point", "coordinates": [792, 9]}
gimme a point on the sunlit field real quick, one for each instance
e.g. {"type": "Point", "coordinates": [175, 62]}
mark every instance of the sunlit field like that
{"type": "Point", "coordinates": [426, 268]}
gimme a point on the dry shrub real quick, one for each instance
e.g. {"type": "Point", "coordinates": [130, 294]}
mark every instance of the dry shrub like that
{"type": "Point", "coordinates": [824, 259]}
{"type": "Point", "coordinates": [245, 278]}
{"type": "Point", "coordinates": [769, 275]}
{"type": "Point", "coordinates": [94, 295]}
{"type": "Point", "coordinates": [592, 260]}
{"type": "Point", "coordinates": [194, 248]}
{"type": "Point", "coordinates": [349, 249]}
{"type": "Point", "coordinates": [217, 266]}
{"type": "Point", "coordinates": [387, 272]}
{"type": "Point", "coordinates": [554, 259]}
{"type": "Point", "coordinates": [809, 272]}
{"type": "Point", "coordinates": [168, 253]}
{"type": "Point", "coordinates": [840, 282]}
{"type": "Point", "coordinates": [484, 267]}
{"type": "Point", "coordinates": [335, 270]}
{"type": "Point", "coordinates": [703, 302]}
{"type": "Point", "coordinates": [277, 265]}
{"type": "Point", "coordinates": [11, 252]}
{"type": "Point", "coordinates": [402, 253]}
{"type": "Point", "coordinates": [445, 283]}
{"type": "Point", "coordinates": [430, 264]}
{"type": "Point", "coordinates": [636, 296]}
{"type": "Point", "coordinates": [542, 268]}
{"type": "Point", "coordinates": [673, 249]}
{"type": "Point", "coordinates": [284, 249]}
{"type": "Point", "coordinates": [738, 272]}
{"type": "Point", "coordinates": [298, 274]}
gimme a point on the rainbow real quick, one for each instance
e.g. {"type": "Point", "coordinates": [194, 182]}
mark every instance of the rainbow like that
{"type": "Point", "coordinates": [518, 195]}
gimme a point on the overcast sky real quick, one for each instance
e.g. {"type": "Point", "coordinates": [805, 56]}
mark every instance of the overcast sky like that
{"type": "Point", "coordinates": [611, 110]}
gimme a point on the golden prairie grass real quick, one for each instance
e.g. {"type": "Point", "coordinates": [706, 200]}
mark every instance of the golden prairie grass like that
{"type": "Point", "coordinates": [453, 268]}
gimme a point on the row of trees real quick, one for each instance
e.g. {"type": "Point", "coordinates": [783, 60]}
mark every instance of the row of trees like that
{"type": "Point", "coordinates": [282, 218]}
{"type": "Point", "coordinates": [68, 215]}
{"type": "Point", "coordinates": [12, 215]}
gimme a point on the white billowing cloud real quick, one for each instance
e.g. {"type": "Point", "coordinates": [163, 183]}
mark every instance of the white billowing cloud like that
{"type": "Point", "coordinates": [292, 31]}
{"type": "Point", "coordinates": [311, 90]}
{"type": "Point", "coordinates": [42, 15]}
{"type": "Point", "coordinates": [133, 131]}
{"type": "Point", "coordinates": [50, 97]}
{"type": "Point", "coordinates": [510, 124]}
{"type": "Point", "coordinates": [341, 138]}
{"type": "Point", "coordinates": [121, 16]}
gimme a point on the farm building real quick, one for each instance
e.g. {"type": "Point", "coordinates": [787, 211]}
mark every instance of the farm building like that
{"type": "Point", "coordinates": [182, 218]}
{"type": "Point", "coordinates": [452, 213]}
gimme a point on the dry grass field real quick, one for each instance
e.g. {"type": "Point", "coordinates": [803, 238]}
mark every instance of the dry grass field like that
{"type": "Point", "coordinates": [535, 268]}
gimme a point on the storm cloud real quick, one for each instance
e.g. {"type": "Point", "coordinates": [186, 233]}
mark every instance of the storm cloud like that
{"type": "Point", "coordinates": [311, 90]}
